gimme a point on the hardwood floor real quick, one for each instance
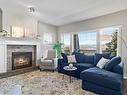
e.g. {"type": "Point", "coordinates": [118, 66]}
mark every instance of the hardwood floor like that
{"type": "Point", "coordinates": [18, 71]}
{"type": "Point", "coordinates": [125, 86]}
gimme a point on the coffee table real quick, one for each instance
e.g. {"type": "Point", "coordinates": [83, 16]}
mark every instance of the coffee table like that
{"type": "Point", "coordinates": [67, 68]}
{"type": "Point", "coordinates": [16, 90]}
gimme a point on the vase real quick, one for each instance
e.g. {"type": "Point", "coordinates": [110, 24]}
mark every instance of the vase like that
{"type": "Point", "coordinates": [71, 65]}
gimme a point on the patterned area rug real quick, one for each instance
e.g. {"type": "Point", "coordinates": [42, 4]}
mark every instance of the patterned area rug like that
{"type": "Point", "coordinates": [43, 83]}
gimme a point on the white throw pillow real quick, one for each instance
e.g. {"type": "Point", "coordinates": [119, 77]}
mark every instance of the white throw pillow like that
{"type": "Point", "coordinates": [71, 59]}
{"type": "Point", "coordinates": [102, 62]}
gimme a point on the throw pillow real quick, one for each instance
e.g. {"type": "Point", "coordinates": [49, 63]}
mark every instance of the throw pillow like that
{"type": "Point", "coordinates": [102, 62]}
{"type": "Point", "coordinates": [71, 59]}
{"type": "Point", "coordinates": [98, 56]}
{"type": "Point", "coordinates": [64, 57]}
{"type": "Point", "coordinates": [112, 56]}
{"type": "Point", "coordinates": [112, 63]}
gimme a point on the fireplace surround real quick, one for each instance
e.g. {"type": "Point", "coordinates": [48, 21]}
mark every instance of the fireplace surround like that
{"type": "Point", "coordinates": [20, 56]}
{"type": "Point", "coordinates": [10, 44]}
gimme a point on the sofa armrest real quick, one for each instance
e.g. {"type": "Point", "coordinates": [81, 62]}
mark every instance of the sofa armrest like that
{"type": "Point", "coordinates": [61, 60]}
{"type": "Point", "coordinates": [61, 63]}
{"type": "Point", "coordinates": [118, 69]}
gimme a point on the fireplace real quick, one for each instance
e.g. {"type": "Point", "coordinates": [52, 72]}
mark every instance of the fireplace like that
{"type": "Point", "coordinates": [21, 60]}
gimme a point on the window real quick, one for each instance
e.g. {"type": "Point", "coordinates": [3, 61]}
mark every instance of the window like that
{"type": "Point", "coordinates": [88, 41]}
{"type": "Point", "coordinates": [108, 40]}
{"type": "Point", "coordinates": [47, 38]}
{"type": "Point", "coordinates": [67, 42]}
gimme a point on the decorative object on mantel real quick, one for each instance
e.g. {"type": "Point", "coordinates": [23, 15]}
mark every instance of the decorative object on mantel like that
{"type": "Point", "coordinates": [58, 46]}
{"type": "Point", "coordinates": [3, 32]}
{"type": "Point", "coordinates": [31, 9]}
{"type": "Point", "coordinates": [17, 31]}
{"type": "Point", "coordinates": [21, 32]}
{"type": "Point", "coordinates": [37, 36]}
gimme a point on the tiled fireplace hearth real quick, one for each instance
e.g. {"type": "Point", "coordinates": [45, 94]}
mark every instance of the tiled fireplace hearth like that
{"type": "Point", "coordinates": [20, 56]}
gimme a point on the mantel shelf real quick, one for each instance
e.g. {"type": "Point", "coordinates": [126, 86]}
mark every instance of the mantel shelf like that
{"type": "Point", "coordinates": [19, 41]}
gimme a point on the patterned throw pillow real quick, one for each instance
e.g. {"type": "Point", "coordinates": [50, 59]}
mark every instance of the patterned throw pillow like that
{"type": "Point", "coordinates": [71, 59]}
{"type": "Point", "coordinates": [98, 56]}
{"type": "Point", "coordinates": [102, 62]}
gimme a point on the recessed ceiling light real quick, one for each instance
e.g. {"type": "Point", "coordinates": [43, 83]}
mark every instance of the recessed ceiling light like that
{"type": "Point", "coordinates": [31, 9]}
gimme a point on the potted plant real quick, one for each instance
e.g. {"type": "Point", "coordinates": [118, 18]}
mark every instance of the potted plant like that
{"type": "Point", "coordinates": [58, 47]}
{"type": "Point", "coordinates": [3, 32]}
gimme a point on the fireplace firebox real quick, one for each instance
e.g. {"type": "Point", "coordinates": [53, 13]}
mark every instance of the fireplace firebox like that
{"type": "Point", "coordinates": [21, 60]}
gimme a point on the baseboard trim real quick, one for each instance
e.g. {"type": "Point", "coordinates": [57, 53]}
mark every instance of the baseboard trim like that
{"type": "Point", "coordinates": [17, 72]}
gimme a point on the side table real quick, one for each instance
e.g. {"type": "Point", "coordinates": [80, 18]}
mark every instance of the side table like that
{"type": "Point", "coordinates": [67, 68]}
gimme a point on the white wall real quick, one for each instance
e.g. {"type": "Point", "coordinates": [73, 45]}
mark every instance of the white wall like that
{"type": "Point", "coordinates": [50, 29]}
{"type": "Point", "coordinates": [0, 17]}
{"type": "Point", "coordinates": [115, 19]}
{"type": "Point", "coordinates": [28, 22]}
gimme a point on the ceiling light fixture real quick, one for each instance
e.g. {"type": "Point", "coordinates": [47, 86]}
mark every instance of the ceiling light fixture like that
{"type": "Point", "coordinates": [31, 9]}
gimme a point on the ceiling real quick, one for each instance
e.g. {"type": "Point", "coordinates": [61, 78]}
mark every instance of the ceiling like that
{"type": "Point", "coordinates": [60, 12]}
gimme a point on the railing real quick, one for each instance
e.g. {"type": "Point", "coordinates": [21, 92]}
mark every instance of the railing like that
{"type": "Point", "coordinates": [88, 52]}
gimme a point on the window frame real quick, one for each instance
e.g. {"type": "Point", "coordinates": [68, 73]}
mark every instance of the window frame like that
{"type": "Point", "coordinates": [88, 38]}
{"type": "Point", "coordinates": [48, 42]}
{"type": "Point", "coordinates": [69, 34]}
{"type": "Point", "coordinates": [119, 51]}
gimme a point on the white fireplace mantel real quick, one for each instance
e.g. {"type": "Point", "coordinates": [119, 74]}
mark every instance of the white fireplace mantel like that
{"type": "Point", "coordinates": [5, 41]}
{"type": "Point", "coordinates": [27, 41]}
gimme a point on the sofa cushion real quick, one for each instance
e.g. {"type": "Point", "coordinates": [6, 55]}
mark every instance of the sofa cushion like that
{"type": "Point", "coordinates": [80, 58]}
{"type": "Point", "coordinates": [61, 65]}
{"type": "Point", "coordinates": [98, 56]}
{"type": "Point", "coordinates": [112, 63]}
{"type": "Point", "coordinates": [111, 56]}
{"type": "Point", "coordinates": [83, 66]}
{"type": "Point", "coordinates": [75, 51]}
{"type": "Point", "coordinates": [99, 90]}
{"type": "Point", "coordinates": [64, 57]}
{"type": "Point", "coordinates": [89, 59]}
{"type": "Point", "coordinates": [103, 78]}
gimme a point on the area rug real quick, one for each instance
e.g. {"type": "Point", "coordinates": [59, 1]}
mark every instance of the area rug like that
{"type": "Point", "coordinates": [43, 83]}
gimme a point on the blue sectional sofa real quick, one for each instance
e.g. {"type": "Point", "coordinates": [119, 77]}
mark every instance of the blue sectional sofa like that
{"type": "Point", "coordinates": [106, 81]}
{"type": "Point", "coordinates": [81, 65]}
